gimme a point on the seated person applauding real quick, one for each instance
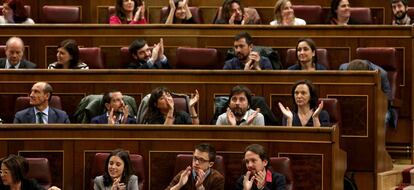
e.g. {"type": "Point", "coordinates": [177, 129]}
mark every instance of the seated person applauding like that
{"type": "Point", "coordinates": [118, 174]}
{"type": "Point", "coordinates": [15, 13]}
{"type": "Point", "coordinates": [129, 12]}
{"type": "Point", "coordinates": [306, 112]}
{"type": "Point", "coordinates": [147, 58]}
{"type": "Point", "coordinates": [284, 14]}
{"type": "Point", "coordinates": [340, 12]}
{"type": "Point", "coordinates": [179, 13]}
{"type": "Point", "coordinates": [68, 56]}
{"type": "Point", "coordinates": [40, 112]}
{"type": "Point", "coordinates": [259, 175]}
{"type": "Point", "coordinates": [239, 112]}
{"type": "Point", "coordinates": [245, 58]}
{"type": "Point", "coordinates": [14, 55]}
{"type": "Point", "coordinates": [232, 12]}
{"type": "Point", "coordinates": [199, 176]}
{"type": "Point", "coordinates": [116, 110]}
{"type": "Point", "coordinates": [161, 109]}
{"type": "Point", "coordinates": [306, 56]}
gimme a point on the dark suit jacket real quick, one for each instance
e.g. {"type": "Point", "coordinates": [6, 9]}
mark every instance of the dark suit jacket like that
{"type": "Point", "coordinates": [28, 116]}
{"type": "Point", "coordinates": [24, 64]}
{"type": "Point", "coordinates": [103, 119]}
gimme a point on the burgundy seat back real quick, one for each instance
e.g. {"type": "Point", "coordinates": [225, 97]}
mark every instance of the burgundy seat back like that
{"type": "Point", "coordinates": [252, 12]}
{"type": "Point", "coordinates": [282, 166]}
{"type": "Point", "coordinates": [23, 102]}
{"type": "Point", "coordinates": [197, 58]}
{"type": "Point", "coordinates": [361, 15]}
{"type": "Point", "coordinates": [312, 14]}
{"type": "Point", "coordinates": [321, 53]}
{"type": "Point", "coordinates": [124, 58]}
{"type": "Point", "coordinates": [92, 56]}
{"type": "Point", "coordinates": [40, 171]}
{"type": "Point", "coordinates": [98, 167]}
{"type": "Point", "coordinates": [384, 57]}
{"type": "Point", "coordinates": [331, 105]}
{"type": "Point", "coordinates": [62, 14]}
{"type": "Point", "coordinates": [410, 12]}
{"type": "Point", "coordinates": [2, 51]}
{"type": "Point", "coordinates": [181, 102]}
{"type": "Point", "coordinates": [195, 11]}
{"type": "Point", "coordinates": [27, 7]}
{"type": "Point", "coordinates": [184, 160]}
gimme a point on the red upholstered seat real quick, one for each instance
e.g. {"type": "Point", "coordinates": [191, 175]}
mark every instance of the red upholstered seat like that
{"type": "Point", "coordinates": [2, 51]}
{"type": "Point", "coordinates": [98, 167]}
{"type": "Point", "coordinates": [62, 14]}
{"type": "Point", "coordinates": [252, 12]}
{"type": "Point", "coordinates": [331, 105]}
{"type": "Point", "coordinates": [40, 171]}
{"type": "Point", "coordinates": [312, 14]}
{"type": "Point", "coordinates": [384, 57]}
{"type": "Point", "coordinates": [361, 15]}
{"type": "Point", "coordinates": [410, 12]}
{"type": "Point", "coordinates": [321, 53]}
{"type": "Point", "coordinates": [92, 56]}
{"type": "Point", "coordinates": [195, 11]}
{"type": "Point", "coordinates": [197, 58]}
{"type": "Point", "coordinates": [282, 166]}
{"type": "Point", "coordinates": [181, 102]}
{"type": "Point", "coordinates": [23, 102]}
{"type": "Point", "coordinates": [184, 160]}
{"type": "Point", "coordinates": [27, 7]}
{"type": "Point", "coordinates": [124, 58]}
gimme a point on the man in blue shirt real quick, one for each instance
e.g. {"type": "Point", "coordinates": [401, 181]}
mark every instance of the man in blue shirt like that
{"type": "Point", "coordinates": [245, 58]}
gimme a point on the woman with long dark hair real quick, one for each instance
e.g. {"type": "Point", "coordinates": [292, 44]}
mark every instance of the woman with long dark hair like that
{"type": "Point", "coordinates": [129, 12]}
{"type": "Point", "coordinates": [68, 56]}
{"type": "Point", "coordinates": [179, 13]}
{"type": "Point", "coordinates": [306, 56]}
{"type": "Point", "coordinates": [15, 13]}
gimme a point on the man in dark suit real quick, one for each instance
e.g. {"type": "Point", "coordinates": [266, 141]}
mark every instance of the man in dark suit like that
{"type": "Point", "coordinates": [116, 110]}
{"type": "Point", "coordinates": [14, 54]}
{"type": "Point", "coordinates": [40, 112]}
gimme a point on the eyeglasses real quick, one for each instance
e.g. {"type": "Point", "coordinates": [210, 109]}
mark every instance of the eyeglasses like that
{"type": "Point", "coordinates": [200, 160]}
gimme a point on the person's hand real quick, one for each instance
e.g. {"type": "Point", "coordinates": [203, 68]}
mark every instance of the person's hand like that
{"type": "Point", "coordinates": [246, 18]}
{"type": "Point", "coordinates": [230, 117]}
{"type": "Point", "coordinates": [260, 179]}
{"type": "Point", "coordinates": [155, 53]}
{"type": "Point", "coordinates": [255, 57]}
{"type": "Point", "coordinates": [125, 111]}
{"type": "Point", "coordinates": [115, 183]}
{"type": "Point", "coordinates": [170, 102]}
{"type": "Point", "coordinates": [201, 176]}
{"type": "Point", "coordinates": [54, 188]}
{"type": "Point", "coordinates": [111, 117]}
{"type": "Point", "coordinates": [194, 98]}
{"type": "Point", "coordinates": [247, 181]}
{"type": "Point", "coordinates": [248, 64]}
{"type": "Point", "coordinates": [140, 13]}
{"type": "Point", "coordinates": [287, 113]}
{"type": "Point", "coordinates": [251, 118]}
{"type": "Point", "coordinates": [184, 176]}
{"type": "Point", "coordinates": [161, 49]}
{"type": "Point", "coordinates": [318, 110]}
{"type": "Point", "coordinates": [121, 186]}
{"type": "Point", "coordinates": [172, 4]}
{"type": "Point", "coordinates": [232, 18]}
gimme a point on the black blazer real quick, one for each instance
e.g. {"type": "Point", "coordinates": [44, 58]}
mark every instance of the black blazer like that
{"type": "Point", "coordinates": [24, 64]}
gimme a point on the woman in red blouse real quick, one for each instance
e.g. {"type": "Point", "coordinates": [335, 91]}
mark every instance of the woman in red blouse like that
{"type": "Point", "coordinates": [129, 12]}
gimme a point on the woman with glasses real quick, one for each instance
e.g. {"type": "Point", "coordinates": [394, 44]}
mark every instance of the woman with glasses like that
{"type": "Point", "coordinates": [118, 174]}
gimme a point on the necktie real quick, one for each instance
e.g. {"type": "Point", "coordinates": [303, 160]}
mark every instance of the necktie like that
{"type": "Point", "coordinates": [40, 117]}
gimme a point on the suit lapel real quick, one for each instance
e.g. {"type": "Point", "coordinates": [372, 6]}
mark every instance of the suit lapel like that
{"type": "Point", "coordinates": [52, 117]}
{"type": "Point", "coordinates": [30, 115]}
{"type": "Point", "coordinates": [2, 63]}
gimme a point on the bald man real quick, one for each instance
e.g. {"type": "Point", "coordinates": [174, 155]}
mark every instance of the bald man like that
{"type": "Point", "coordinates": [40, 112]}
{"type": "Point", "coordinates": [14, 54]}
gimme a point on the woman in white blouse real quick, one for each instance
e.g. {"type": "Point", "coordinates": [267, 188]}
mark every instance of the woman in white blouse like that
{"type": "Point", "coordinates": [15, 13]}
{"type": "Point", "coordinates": [284, 14]}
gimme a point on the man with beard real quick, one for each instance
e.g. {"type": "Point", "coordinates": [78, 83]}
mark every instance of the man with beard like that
{"type": "Point", "coordinates": [40, 112]}
{"type": "Point", "coordinates": [259, 175]}
{"type": "Point", "coordinates": [399, 10]}
{"type": "Point", "coordinates": [246, 59]}
{"type": "Point", "coordinates": [199, 176]}
{"type": "Point", "coordinates": [239, 112]}
{"type": "Point", "coordinates": [147, 58]}
{"type": "Point", "coordinates": [116, 110]}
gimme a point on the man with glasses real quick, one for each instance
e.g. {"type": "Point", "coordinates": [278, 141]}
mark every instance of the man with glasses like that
{"type": "Point", "coordinates": [199, 176]}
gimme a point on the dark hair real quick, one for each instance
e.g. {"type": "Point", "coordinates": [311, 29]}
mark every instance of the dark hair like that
{"type": "Point", "coordinates": [312, 45]}
{"type": "Point", "coordinates": [128, 169]}
{"type": "Point", "coordinates": [209, 148]}
{"type": "Point", "coordinates": [72, 48]}
{"type": "Point", "coordinates": [358, 64]}
{"type": "Point", "coordinates": [17, 166]}
{"type": "Point", "coordinates": [246, 36]}
{"type": "Point", "coordinates": [153, 112]}
{"type": "Point", "coordinates": [312, 92]}
{"type": "Point", "coordinates": [259, 150]}
{"type": "Point", "coordinates": [241, 89]}
{"type": "Point", "coordinates": [405, 2]}
{"type": "Point", "coordinates": [226, 9]}
{"type": "Point", "coordinates": [136, 45]}
{"type": "Point", "coordinates": [169, 8]}
{"type": "Point", "coordinates": [107, 96]}
{"type": "Point", "coordinates": [19, 12]}
{"type": "Point", "coordinates": [119, 9]}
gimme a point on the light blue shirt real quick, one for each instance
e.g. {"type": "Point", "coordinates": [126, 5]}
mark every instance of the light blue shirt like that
{"type": "Point", "coordinates": [45, 115]}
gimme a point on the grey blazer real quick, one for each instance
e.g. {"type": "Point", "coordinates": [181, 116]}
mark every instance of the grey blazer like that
{"type": "Point", "coordinates": [28, 116]}
{"type": "Point", "coordinates": [99, 185]}
{"type": "Point", "coordinates": [24, 64]}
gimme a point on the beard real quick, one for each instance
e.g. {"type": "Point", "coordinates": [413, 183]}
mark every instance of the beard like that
{"type": "Point", "coordinates": [238, 111]}
{"type": "Point", "coordinates": [241, 57]}
{"type": "Point", "coordinates": [400, 15]}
